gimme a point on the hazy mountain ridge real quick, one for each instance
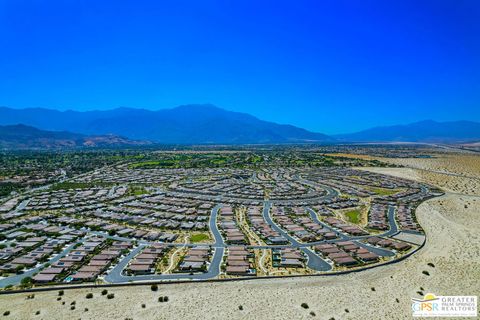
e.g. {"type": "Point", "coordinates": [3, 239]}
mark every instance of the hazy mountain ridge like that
{"type": "Point", "coordinates": [190, 124]}
{"type": "Point", "coordinates": [207, 124]}
{"type": "Point", "coordinates": [422, 131]}
{"type": "Point", "coordinates": [26, 137]}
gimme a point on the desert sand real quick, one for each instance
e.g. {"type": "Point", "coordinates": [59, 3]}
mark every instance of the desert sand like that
{"type": "Point", "coordinates": [452, 226]}
{"type": "Point", "coordinates": [454, 172]}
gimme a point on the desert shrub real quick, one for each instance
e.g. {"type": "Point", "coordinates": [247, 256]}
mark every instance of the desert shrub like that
{"type": "Point", "coordinates": [110, 296]}
{"type": "Point", "coordinates": [426, 272]}
{"type": "Point", "coordinates": [154, 287]}
{"type": "Point", "coordinates": [6, 313]}
{"type": "Point", "coordinates": [104, 292]}
{"type": "Point", "coordinates": [304, 305]}
{"type": "Point", "coordinates": [60, 293]}
{"type": "Point", "coordinates": [89, 295]}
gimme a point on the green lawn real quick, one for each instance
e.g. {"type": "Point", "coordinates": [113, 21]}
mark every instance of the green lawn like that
{"type": "Point", "coordinates": [353, 216]}
{"type": "Point", "coordinates": [385, 191]}
{"type": "Point", "coordinates": [136, 190]}
{"type": "Point", "coordinates": [199, 237]}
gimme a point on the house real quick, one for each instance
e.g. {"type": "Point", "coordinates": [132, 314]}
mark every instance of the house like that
{"type": "Point", "coordinates": [84, 276]}
{"type": "Point", "coordinates": [139, 269]}
{"type": "Point", "coordinates": [44, 277]}
{"type": "Point", "coordinates": [238, 270]}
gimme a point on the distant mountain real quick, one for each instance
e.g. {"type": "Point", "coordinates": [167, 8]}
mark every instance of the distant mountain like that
{"type": "Point", "coordinates": [423, 131]}
{"type": "Point", "coordinates": [189, 124]}
{"type": "Point", "coordinates": [25, 137]}
{"type": "Point", "coordinates": [207, 124]}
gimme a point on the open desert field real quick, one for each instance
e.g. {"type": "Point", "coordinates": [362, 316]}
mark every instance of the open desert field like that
{"type": "Point", "coordinates": [454, 172]}
{"type": "Point", "coordinates": [450, 259]}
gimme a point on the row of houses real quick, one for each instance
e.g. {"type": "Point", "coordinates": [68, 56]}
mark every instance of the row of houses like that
{"type": "Point", "coordinates": [229, 227]}
{"type": "Point", "coordinates": [99, 262]}
{"type": "Point", "coordinates": [288, 258]}
{"type": "Point", "coordinates": [346, 253]}
{"type": "Point", "coordinates": [302, 228]}
{"type": "Point", "coordinates": [377, 216]}
{"type": "Point", "coordinates": [357, 178]}
{"type": "Point", "coordinates": [9, 205]}
{"type": "Point", "coordinates": [347, 186]}
{"type": "Point", "coordinates": [406, 217]}
{"type": "Point", "coordinates": [345, 227]}
{"type": "Point", "coordinates": [240, 262]}
{"type": "Point", "coordinates": [262, 228]}
{"type": "Point", "coordinates": [28, 253]}
{"type": "Point", "coordinates": [145, 262]}
{"type": "Point", "coordinates": [118, 229]}
{"type": "Point", "coordinates": [388, 243]}
{"type": "Point", "coordinates": [195, 260]}
{"type": "Point", "coordinates": [74, 259]}
{"type": "Point", "coordinates": [72, 198]}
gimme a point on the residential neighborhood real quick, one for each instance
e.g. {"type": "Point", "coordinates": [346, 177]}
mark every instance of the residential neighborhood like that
{"type": "Point", "coordinates": [125, 223]}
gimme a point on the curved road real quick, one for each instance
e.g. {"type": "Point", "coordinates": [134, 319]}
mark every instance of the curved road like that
{"type": "Point", "coordinates": [116, 274]}
{"type": "Point", "coordinates": [17, 279]}
{"type": "Point", "coordinates": [314, 261]}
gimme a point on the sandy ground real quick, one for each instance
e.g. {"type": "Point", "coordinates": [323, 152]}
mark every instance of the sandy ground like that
{"type": "Point", "coordinates": [458, 173]}
{"type": "Point", "coordinates": [452, 225]}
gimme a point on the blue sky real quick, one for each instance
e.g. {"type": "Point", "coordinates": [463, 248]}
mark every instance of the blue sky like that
{"type": "Point", "coordinates": [328, 66]}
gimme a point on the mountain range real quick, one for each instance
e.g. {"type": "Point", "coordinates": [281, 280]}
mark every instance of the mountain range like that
{"type": "Point", "coordinates": [190, 124]}
{"type": "Point", "coordinates": [422, 131]}
{"type": "Point", "coordinates": [195, 124]}
{"type": "Point", "coordinates": [25, 137]}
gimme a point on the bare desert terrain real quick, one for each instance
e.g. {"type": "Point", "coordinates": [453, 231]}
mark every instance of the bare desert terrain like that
{"type": "Point", "coordinates": [451, 258]}
{"type": "Point", "coordinates": [457, 173]}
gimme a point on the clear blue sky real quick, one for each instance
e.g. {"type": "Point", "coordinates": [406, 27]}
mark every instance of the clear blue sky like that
{"type": "Point", "coordinates": [328, 66]}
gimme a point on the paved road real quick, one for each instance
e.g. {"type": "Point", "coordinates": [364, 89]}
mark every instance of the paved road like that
{"type": "Point", "coordinates": [22, 205]}
{"type": "Point", "coordinates": [116, 274]}
{"type": "Point", "coordinates": [15, 280]}
{"type": "Point", "coordinates": [330, 192]}
{"type": "Point", "coordinates": [314, 261]}
{"type": "Point", "coordinates": [314, 217]}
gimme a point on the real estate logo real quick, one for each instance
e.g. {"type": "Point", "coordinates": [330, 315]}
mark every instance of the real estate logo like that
{"type": "Point", "coordinates": [444, 306]}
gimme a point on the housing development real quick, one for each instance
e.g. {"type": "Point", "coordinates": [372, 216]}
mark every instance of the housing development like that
{"type": "Point", "coordinates": [185, 215]}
